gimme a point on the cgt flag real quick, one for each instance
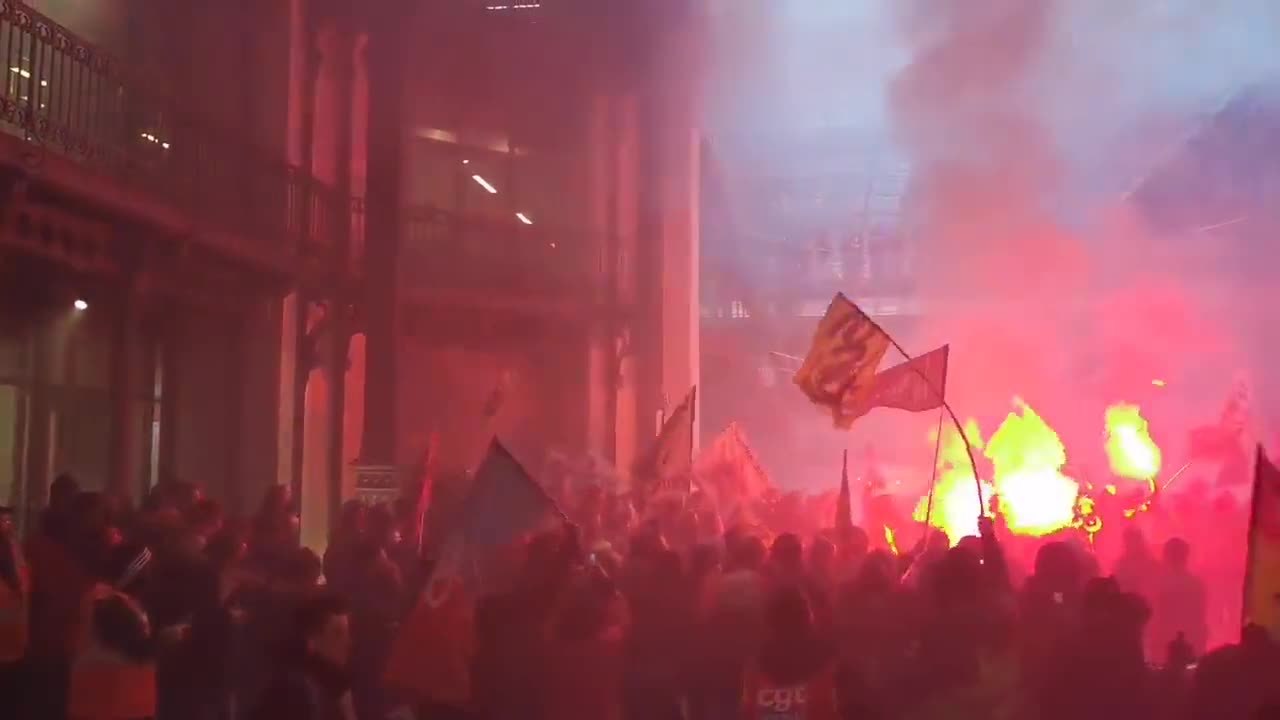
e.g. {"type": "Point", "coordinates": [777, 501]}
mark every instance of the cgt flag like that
{"type": "Point", "coordinates": [1262, 566]}
{"type": "Point", "coordinates": [916, 385]}
{"type": "Point", "coordinates": [839, 370]}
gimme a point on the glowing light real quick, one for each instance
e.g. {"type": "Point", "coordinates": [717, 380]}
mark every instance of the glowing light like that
{"type": "Point", "coordinates": [20, 72]}
{"type": "Point", "coordinates": [524, 218]}
{"type": "Point", "coordinates": [1158, 383]}
{"type": "Point", "coordinates": [890, 540]}
{"type": "Point", "coordinates": [80, 305]}
{"type": "Point", "coordinates": [466, 162]}
{"type": "Point", "coordinates": [1111, 489]}
{"type": "Point", "coordinates": [1027, 455]}
{"type": "Point", "coordinates": [1130, 449]}
{"type": "Point", "coordinates": [955, 498]}
{"type": "Point", "coordinates": [485, 184]}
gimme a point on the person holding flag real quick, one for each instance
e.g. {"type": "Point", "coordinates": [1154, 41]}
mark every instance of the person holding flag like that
{"type": "Point", "coordinates": [474, 634]}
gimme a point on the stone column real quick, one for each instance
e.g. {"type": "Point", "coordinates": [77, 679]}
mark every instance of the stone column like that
{"type": "Point", "coordinates": [675, 150]}
{"type": "Point", "coordinates": [126, 421]}
{"type": "Point", "coordinates": [39, 435]}
{"type": "Point", "coordinates": [601, 351]}
{"type": "Point", "coordinates": [386, 71]}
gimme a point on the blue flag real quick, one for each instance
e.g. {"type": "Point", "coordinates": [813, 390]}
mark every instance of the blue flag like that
{"type": "Point", "coordinates": [503, 505]}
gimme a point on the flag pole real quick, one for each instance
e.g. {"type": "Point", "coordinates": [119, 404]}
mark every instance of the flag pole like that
{"type": "Point", "coordinates": [933, 478]}
{"type": "Point", "coordinates": [940, 393]}
{"type": "Point", "coordinates": [1254, 502]}
{"type": "Point", "coordinates": [693, 434]}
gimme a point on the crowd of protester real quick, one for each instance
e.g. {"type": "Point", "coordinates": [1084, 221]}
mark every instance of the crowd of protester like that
{"type": "Point", "coordinates": [174, 611]}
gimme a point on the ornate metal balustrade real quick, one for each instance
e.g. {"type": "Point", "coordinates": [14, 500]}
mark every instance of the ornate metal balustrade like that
{"type": "Point", "coordinates": [446, 250]}
{"type": "Point", "coordinates": [67, 97]}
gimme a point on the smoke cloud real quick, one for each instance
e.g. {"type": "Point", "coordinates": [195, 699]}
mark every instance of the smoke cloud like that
{"type": "Point", "coordinates": [1025, 123]}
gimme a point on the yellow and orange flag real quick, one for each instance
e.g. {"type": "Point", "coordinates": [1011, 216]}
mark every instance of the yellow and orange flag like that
{"type": "Point", "coordinates": [839, 371]}
{"type": "Point", "coordinates": [1262, 568]}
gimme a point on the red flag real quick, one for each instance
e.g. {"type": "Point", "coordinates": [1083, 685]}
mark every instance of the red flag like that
{"type": "Point", "coordinates": [730, 467]}
{"type": "Point", "coordinates": [916, 385]}
{"type": "Point", "coordinates": [428, 483]}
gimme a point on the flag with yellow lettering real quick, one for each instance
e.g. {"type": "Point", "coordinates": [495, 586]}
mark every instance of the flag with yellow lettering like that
{"type": "Point", "coordinates": [839, 371]}
{"type": "Point", "coordinates": [1262, 568]}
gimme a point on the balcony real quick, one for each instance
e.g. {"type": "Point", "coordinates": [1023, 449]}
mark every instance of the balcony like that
{"type": "Point", "coordinates": [446, 254]}
{"type": "Point", "coordinates": [79, 108]}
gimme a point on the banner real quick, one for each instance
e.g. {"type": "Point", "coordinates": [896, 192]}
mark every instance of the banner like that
{"type": "Point", "coordinates": [915, 386]}
{"type": "Point", "coordinates": [839, 370]}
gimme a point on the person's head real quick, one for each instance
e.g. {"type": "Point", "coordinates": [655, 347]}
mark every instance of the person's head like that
{"type": "Point", "coordinates": [302, 568]}
{"type": "Point", "coordinates": [381, 526]}
{"type": "Point", "coordinates": [788, 613]}
{"type": "Point", "coordinates": [877, 573]}
{"type": "Point", "coordinates": [352, 520]}
{"type": "Point", "coordinates": [957, 578]}
{"type": "Point", "coordinates": [746, 553]}
{"type": "Point", "coordinates": [63, 491]}
{"type": "Point", "coordinates": [971, 544]}
{"type": "Point", "coordinates": [1134, 541]}
{"type": "Point", "coordinates": [1057, 568]}
{"type": "Point", "coordinates": [225, 549]}
{"type": "Point", "coordinates": [822, 554]}
{"type": "Point", "coordinates": [787, 553]}
{"type": "Point", "coordinates": [205, 517]}
{"type": "Point", "coordinates": [322, 629]}
{"type": "Point", "coordinates": [1177, 553]}
{"type": "Point", "coordinates": [278, 500]}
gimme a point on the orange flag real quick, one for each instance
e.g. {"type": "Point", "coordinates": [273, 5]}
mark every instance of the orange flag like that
{"type": "Point", "coordinates": [1262, 568]}
{"type": "Point", "coordinates": [841, 365]}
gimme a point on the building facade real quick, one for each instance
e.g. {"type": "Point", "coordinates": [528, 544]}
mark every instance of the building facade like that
{"type": "Point", "coordinates": [549, 265]}
{"type": "Point", "coordinates": [243, 244]}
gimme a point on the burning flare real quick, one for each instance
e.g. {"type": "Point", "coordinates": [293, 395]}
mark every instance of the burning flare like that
{"type": "Point", "coordinates": [1027, 456]}
{"type": "Point", "coordinates": [955, 499]}
{"type": "Point", "coordinates": [1130, 449]}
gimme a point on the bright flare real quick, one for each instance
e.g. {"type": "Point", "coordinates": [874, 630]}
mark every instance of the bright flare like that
{"type": "Point", "coordinates": [955, 495]}
{"type": "Point", "coordinates": [1130, 449]}
{"type": "Point", "coordinates": [1027, 456]}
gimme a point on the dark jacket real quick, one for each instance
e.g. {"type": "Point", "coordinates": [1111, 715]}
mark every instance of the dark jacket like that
{"type": "Point", "coordinates": [306, 690]}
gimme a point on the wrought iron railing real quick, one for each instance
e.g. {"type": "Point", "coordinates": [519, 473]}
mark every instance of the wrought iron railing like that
{"type": "Point", "coordinates": [446, 250]}
{"type": "Point", "coordinates": [70, 98]}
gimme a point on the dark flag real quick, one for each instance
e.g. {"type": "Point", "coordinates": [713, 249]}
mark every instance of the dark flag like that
{"type": "Point", "coordinates": [844, 504]}
{"type": "Point", "coordinates": [431, 658]}
{"type": "Point", "coordinates": [916, 385]}
{"type": "Point", "coordinates": [847, 348]}
{"type": "Point", "coordinates": [1262, 566]}
{"type": "Point", "coordinates": [671, 455]}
